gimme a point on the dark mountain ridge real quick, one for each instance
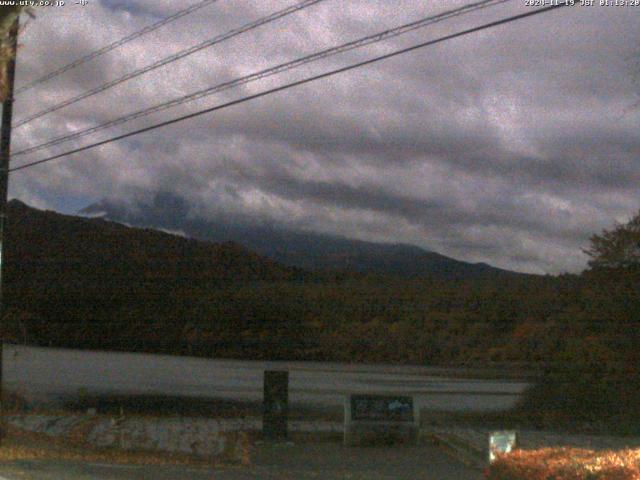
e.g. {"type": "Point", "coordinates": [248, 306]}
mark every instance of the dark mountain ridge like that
{"type": "Point", "coordinates": [38, 239]}
{"type": "Point", "coordinates": [307, 250]}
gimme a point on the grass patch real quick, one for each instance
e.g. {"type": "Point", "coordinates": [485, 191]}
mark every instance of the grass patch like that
{"type": "Point", "coordinates": [13, 402]}
{"type": "Point", "coordinates": [186, 406]}
{"type": "Point", "coordinates": [591, 399]}
{"type": "Point", "coordinates": [531, 419]}
{"type": "Point", "coordinates": [497, 420]}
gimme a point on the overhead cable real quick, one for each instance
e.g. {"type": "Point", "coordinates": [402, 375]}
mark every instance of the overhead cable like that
{"type": "Point", "coordinates": [170, 59]}
{"type": "Point", "coordinates": [296, 84]}
{"type": "Point", "coordinates": [114, 45]}
{"type": "Point", "coordinates": [361, 42]}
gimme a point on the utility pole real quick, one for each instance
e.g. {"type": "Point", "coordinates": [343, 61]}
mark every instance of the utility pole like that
{"type": "Point", "coordinates": [5, 154]}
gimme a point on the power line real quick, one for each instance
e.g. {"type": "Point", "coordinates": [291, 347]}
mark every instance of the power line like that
{"type": "Point", "coordinates": [172, 58]}
{"type": "Point", "coordinates": [364, 41]}
{"type": "Point", "coordinates": [296, 84]}
{"type": "Point", "coordinates": [115, 45]}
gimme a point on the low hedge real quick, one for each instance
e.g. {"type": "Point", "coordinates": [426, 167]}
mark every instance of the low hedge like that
{"type": "Point", "coordinates": [585, 397]}
{"type": "Point", "coordinates": [566, 464]}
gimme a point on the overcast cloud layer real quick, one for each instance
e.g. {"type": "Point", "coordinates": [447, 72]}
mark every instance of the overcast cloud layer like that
{"type": "Point", "coordinates": [510, 146]}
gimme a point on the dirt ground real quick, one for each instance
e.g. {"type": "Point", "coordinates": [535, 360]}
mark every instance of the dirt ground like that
{"type": "Point", "coordinates": [328, 460]}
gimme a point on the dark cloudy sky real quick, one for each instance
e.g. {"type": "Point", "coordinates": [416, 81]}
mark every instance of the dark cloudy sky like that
{"type": "Point", "coordinates": [509, 146]}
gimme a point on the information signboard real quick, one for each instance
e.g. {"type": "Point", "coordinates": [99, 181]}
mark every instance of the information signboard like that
{"type": "Point", "coordinates": [371, 419]}
{"type": "Point", "coordinates": [382, 408]}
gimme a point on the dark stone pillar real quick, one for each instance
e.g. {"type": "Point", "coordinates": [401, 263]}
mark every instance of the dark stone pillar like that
{"type": "Point", "coordinates": [275, 405]}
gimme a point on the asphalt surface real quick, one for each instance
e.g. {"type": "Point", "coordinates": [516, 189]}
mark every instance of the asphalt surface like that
{"type": "Point", "coordinates": [327, 461]}
{"type": "Point", "coordinates": [44, 376]}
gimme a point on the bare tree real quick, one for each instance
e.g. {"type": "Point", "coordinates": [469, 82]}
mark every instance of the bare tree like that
{"type": "Point", "coordinates": [616, 248]}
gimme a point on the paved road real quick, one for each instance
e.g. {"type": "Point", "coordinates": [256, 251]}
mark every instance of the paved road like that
{"type": "Point", "coordinates": [45, 374]}
{"type": "Point", "coordinates": [327, 461]}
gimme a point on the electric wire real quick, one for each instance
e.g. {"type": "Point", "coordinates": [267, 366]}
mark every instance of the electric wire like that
{"type": "Point", "coordinates": [170, 59]}
{"type": "Point", "coordinates": [297, 83]}
{"type": "Point", "coordinates": [114, 45]}
{"type": "Point", "coordinates": [361, 42]}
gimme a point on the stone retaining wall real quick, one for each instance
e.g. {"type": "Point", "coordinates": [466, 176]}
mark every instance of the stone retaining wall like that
{"type": "Point", "coordinates": [191, 436]}
{"type": "Point", "coordinates": [199, 437]}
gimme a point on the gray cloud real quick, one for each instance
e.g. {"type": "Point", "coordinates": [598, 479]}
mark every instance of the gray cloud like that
{"type": "Point", "coordinates": [511, 146]}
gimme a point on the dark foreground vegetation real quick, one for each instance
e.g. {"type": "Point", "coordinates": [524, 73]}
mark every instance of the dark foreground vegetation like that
{"type": "Point", "coordinates": [86, 283]}
{"type": "Point", "coordinates": [566, 464]}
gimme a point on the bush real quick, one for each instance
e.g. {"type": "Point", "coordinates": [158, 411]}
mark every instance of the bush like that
{"type": "Point", "coordinates": [13, 402]}
{"type": "Point", "coordinates": [584, 398]}
{"type": "Point", "coordinates": [565, 464]}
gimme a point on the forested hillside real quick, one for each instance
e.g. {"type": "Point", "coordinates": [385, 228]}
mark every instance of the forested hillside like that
{"type": "Point", "coordinates": [88, 283]}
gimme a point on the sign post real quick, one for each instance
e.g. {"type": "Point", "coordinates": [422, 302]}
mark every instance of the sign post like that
{"type": "Point", "coordinates": [275, 405]}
